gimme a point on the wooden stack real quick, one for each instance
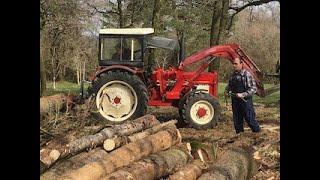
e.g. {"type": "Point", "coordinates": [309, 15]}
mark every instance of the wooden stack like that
{"type": "Point", "coordinates": [141, 149]}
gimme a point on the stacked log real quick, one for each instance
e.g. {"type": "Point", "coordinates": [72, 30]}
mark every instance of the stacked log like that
{"type": "Point", "coordinates": [154, 166]}
{"type": "Point", "coordinates": [48, 155]}
{"type": "Point", "coordinates": [127, 154]}
{"type": "Point", "coordinates": [111, 144]}
{"type": "Point", "coordinates": [144, 149]}
{"type": "Point", "coordinates": [73, 163]}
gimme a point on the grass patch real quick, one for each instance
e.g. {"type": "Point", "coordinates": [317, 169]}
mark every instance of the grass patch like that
{"type": "Point", "coordinates": [268, 100]}
{"type": "Point", "coordinates": [63, 87]}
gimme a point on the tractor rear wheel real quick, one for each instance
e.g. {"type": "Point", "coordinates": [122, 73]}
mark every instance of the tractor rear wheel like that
{"type": "Point", "coordinates": [120, 96]}
{"type": "Point", "coordinates": [182, 101]}
{"type": "Point", "coordinates": [201, 110]}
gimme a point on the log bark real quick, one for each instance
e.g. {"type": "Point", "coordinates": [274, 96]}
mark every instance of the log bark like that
{"type": "Point", "coordinates": [154, 166]}
{"type": "Point", "coordinates": [111, 144]}
{"type": "Point", "coordinates": [73, 163]}
{"type": "Point", "coordinates": [234, 164]}
{"type": "Point", "coordinates": [127, 154]}
{"type": "Point", "coordinates": [190, 171]}
{"type": "Point", "coordinates": [50, 155]}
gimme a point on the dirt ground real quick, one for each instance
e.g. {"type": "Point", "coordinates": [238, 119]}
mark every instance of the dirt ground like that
{"type": "Point", "coordinates": [265, 145]}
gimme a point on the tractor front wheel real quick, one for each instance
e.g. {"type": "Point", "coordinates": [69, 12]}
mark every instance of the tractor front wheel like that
{"type": "Point", "coordinates": [201, 111]}
{"type": "Point", "coordinates": [120, 96]}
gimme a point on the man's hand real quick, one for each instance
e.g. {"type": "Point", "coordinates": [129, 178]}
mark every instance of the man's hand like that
{"type": "Point", "coordinates": [240, 95]}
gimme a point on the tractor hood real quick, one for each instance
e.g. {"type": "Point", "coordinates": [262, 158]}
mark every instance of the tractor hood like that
{"type": "Point", "coordinates": [161, 42]}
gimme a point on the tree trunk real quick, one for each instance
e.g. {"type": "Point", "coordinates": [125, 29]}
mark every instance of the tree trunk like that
{"type": "Point", "coordinates": [127, 154]}
{"type": "Point", "coordinates": [80, 73]}
{"type": "Point", "coordinates": [154, 166]}
{"type": "Point", "coordinates": [73, 163]}
{"type": "Point", "coordinates": [120, 13]}
{"type": "Point", "coordinates": [78, 76]}
{"type": "Point", "coordinates": [223, 21]}
{"type": "Point", "coordinates": [218, 28]}
{"type": "Point", "coordinates": [215, 23]}
{"type": "Point", "coordinates": [50, 155]}
{"type": "Point", "coordinates": [111, 144]}
{"type": "Point", "coordinates": [155, 26]}
{"type": "Point", "coordinates": [190, 171]}
{"type": "Point", "coordinates": [61, 74]}
{"type": "Point", "coordinates": [234, 164]}
{"type": "Point", "coordinates": [83, 71]}
{"type": "Point", "coordinates": [43, 78]}
{"type": "Point", "coordinates": [53, 67]}
{"type": "Point", "coordinates": [156, 15]}
{"type": "Point", "coordinates": [181, 40]}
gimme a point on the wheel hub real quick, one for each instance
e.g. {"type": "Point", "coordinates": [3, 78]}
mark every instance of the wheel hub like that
{"type": "Point", "coordinates": [201, 112]}
{"type": "Point", "coordinates": [116, 101]}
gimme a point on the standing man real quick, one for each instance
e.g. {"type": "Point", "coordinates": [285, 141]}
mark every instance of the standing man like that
{"type": "Point", "coordinates": [243, 86]}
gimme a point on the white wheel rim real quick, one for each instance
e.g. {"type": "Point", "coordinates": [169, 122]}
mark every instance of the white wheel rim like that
{"type": "Point", "coordinates": [202, 118]}
{"type": "Point", "coordinates": [116, 101]}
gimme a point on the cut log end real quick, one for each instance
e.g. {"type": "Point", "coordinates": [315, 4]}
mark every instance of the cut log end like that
{"type": "Point", "coordinates": [49, 156]}
{"type": "Point", "coordinates": [109, 145]}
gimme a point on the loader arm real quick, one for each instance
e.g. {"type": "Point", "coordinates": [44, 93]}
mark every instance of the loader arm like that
{"type": "Point", "coordinates": [230, 52]}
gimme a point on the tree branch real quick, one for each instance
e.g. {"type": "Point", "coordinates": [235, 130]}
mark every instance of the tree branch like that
{"type": "Point", "coordinates": [100, 11]}
{"type": "Point", "coordinates": [239, 9]}
{"type": "Point", "coordinates": [253, 3]}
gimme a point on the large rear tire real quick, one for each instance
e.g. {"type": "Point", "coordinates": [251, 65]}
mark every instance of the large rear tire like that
{"type": "Point", "coordinates": [181, 104]}
{"type": "Point", "coordinates": [120, 96]}
{"type": "Point", "coordinates": [201, 110]}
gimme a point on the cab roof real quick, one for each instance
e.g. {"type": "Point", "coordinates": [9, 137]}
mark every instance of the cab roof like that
{"type": "Point", "coordinates": [131, 31]}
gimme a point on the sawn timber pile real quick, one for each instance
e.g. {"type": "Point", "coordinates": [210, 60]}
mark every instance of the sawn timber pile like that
{"type": "Point", "coordinates": [140, 149]}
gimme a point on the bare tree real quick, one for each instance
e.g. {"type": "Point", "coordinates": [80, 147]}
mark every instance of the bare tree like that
{"type": "Point", "coordinates": [65, 41]}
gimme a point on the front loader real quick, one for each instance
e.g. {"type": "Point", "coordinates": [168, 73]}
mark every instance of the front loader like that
{"type": "Point", "coordinates": [123, 87]}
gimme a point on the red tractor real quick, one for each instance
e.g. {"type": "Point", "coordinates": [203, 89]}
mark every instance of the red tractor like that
{"type": "Point", "coordinates": [124, 84]}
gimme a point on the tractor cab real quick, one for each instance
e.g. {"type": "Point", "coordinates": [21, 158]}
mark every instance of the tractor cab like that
{"type": "Point", "coordinates": [129, 46]}
{"type": "Point", "coordinates": [123, 46]}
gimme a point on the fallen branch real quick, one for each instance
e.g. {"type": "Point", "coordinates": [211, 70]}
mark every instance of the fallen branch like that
{"type": "Point", "coordinates": [45, 131]}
